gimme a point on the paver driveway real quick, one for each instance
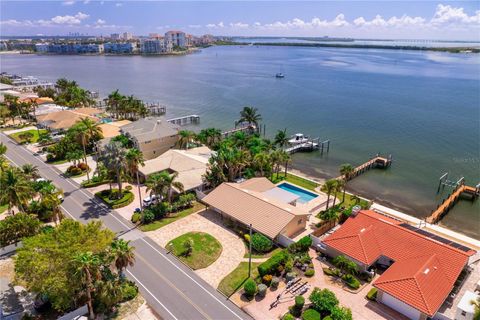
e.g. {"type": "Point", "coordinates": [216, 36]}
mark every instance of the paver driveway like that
{"type": "Point", "coordinates": [206, 221]}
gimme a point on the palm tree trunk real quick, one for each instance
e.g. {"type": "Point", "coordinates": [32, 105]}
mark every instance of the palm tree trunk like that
{"type": "Point", "coordinates": [334, 199]}
{"type": "Point", "coordinates": [139, 194]}
{"type": "Point", "coordinates": [91, 315]}
{"type": "Point", "coordinates": [85, 158]}
{"type": "Point", "coordinates": [328, 200]}
{"type": "Point", "coordinates": [343, 197]}
{"type": "Point", "coordinates": [286, 169]}
{"type": "Point", "coordinates": [119, 183]}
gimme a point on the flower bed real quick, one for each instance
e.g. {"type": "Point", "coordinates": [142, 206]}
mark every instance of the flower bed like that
{"type": "Point", "coordinates": [110, 198]}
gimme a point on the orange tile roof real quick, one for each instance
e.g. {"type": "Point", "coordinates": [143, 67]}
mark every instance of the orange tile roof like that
{"type": "Point", "coordinates": [424, 271]}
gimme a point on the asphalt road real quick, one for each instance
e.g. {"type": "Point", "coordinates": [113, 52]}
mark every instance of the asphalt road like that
{"type": "Point", "coordinates": [170, 288]}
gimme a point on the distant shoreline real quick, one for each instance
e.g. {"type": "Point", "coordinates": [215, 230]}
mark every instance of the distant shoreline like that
{"type": "Point", "coordinates": [353, 46]}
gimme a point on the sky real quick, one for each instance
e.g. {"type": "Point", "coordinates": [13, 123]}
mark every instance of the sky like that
{"type": "Point", "coordinates": [388, 19]}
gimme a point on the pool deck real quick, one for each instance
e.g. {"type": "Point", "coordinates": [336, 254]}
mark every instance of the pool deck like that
{"type": "Point", "coordinates": [313, 206]}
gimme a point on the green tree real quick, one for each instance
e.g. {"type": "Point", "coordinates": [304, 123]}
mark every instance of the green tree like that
{"type": "Point", "coordinates": [186, 137]}
{"type": "Point", "coordinates": [251, 116]}
{"type": "Point", "coordinates": [14, 228]}
{"type": "Point", "coordinates": [87, 268]}
{"type": "Point", "coordinates": [323, 300]}
{"type": "Point", "coordinates": [346, 170]}
{"type": "Point", "coordinates": [30, 171]}
{"type": "Point", "coordinates": [281, 138]}
{"type": "Point", "coordinates": [341, 313]}
{"type": "Point", "coordinates": [114, 159]}
{"type": "Point", "coordinates": [16, 189]}
{"type": "Point", "coordinates": [26, 136]}
{"type": "Point", "coordinates": [345, 265]}
{"type": "Point", "coordinates": [123, 254]}
{"type": "Point", "coordinates": [262, 161]}
{"type": "Point", "coordinates": [339, 187]}
{"type": "Point", "coordinates": [88, 130]}
{"type": "Point", "coordinates": [135, 159]}
{"type": "Point", "coordinates": [329, 188]}
{"type": "Point", "coordinates": [47, 262]}
{"type": "Point", "coordinates": [210, 137]}
{"type": "Point", "coordinates": [170, 183]}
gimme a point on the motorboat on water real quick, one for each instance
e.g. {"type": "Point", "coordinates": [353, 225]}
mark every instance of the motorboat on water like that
{"type": "Point", "coordinates": [298, 138]}
{"type": "Point", "coordinates": [279, 75]}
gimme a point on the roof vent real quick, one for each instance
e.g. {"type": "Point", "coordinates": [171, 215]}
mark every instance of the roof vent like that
{"type": "Point", "coordinates": [363, 229]}
{"type": "Point", "coordinates": [426, 271]}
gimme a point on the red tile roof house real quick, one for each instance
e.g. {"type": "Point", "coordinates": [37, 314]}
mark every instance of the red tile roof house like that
{"type": "Point", "coordinates": [422, 270]}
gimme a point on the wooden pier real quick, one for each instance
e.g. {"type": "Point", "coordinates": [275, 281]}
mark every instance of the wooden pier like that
{"type": "Point", "coordinates": [245, 128]}
{"type": "Point", "coordinates": [375, 162]}
{"type": "Point", "coordinates": [450, 201]}
{"type": "Point", "coordinates": [186, 120]}
{"type": "Point", "coordinates": [155, 109]}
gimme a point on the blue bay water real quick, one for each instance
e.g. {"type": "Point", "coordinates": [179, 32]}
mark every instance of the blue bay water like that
{"type": "Point", "coordinates": [421, 107]}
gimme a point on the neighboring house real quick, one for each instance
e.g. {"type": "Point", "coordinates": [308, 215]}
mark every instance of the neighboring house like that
{"type": "Point", "coordinates": [151, 135]}
{"type": "Point", "coordinates": [465, 308]}
{"type": "Point", "coordinates": [64, 119]}
{"type": "Point", "coordinates": [422, 268]}
{"type": "Point", "coordinates": [190, 165]}
{"type": "Point", "coordinates": [176, 38]}
{"type": "Point", "coordinates": [253, 202]}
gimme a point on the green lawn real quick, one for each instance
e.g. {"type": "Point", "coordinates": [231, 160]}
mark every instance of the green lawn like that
{"type": "Point", "coordinates": [3, 208]}
{"type": "Point", "coordinates": [258, 255]}
{"type": "Point", "coordinates": [299, 181]}
{"type": "Point", "coordinates": [197, 206]}
{"type": "Point", "coordinates": [60, 161]}
{"type": "Point", "coordinates": [233, 281]}
{"type": "Point", "coordinates": [349, 202]}
{"type": "Point", "coordinates": [206, 249]}
{"type": "Point", "coordinates": [34, 132]}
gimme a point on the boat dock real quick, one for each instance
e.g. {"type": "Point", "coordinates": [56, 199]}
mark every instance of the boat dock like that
{"type": "Point", "coordinates": [450, 201]}
{"type": "Point", "coordinates": [375, 162]}
{"type": "Point", "coordinates": [245, 128]}
{"type": "Point", "coordinates": [310, 145]}
{"type": "Point", "coordinates": [186, 120]}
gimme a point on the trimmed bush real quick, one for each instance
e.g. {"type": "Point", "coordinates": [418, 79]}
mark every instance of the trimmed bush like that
{"type": "Point", "coordinates": [261, 243]}
{"type": "Point", "coordinates": [331, 272]}
{"type": "Point", "coordinates": [299, 301]}
{"type": "Point", "coordinates": [289, 265]}
{"type": "Point", "coordinates": [290, 276]}
{"type": "Point", "coordinates": [311, 314]}
{"type": "Point", "coordinates": [148, 216]}
{"type": "Point", "coordinates": [310, 273]}
{"type": "Point", "coordinates": [372, 294]}
{"type": "Point", "coordinates": [351, 281]}
{"type": "Point", "coordinates": [112, 202]}
{"type": "Point", "coordinates": [129, 291]}
{"type": "Point", "coordinates": [301, 245]}
{"type": "Point", "coordinates": [83, 166]}
{"type": "Point", "coordinates": [267, 279]}
{"type": "Point", "coordinates": [288, 316]}
{"type": "Point", "coordinates": [246, 236]}
{"type": "Point", "coordinates": [136, 217]}
{"type": "Point", "coordinates": [250, 287]}
{"type": "Point", "coordinates": [128, 188]}
{"type": "Point", "coordinates": [271, 265]}
{"type": "Point", "coordinates": [262, 290]}
{"type": "Point", "coordinates": [274, 283]}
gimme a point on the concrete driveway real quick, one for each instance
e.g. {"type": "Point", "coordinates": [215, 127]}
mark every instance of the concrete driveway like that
{"type": "Point", "coordinates": [206, 221]}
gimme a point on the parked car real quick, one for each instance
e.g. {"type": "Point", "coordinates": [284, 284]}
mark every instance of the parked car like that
{"type": "Point", "coordinates": [149, 200]}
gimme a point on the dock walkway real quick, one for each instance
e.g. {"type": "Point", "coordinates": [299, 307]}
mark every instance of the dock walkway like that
{"type": "Point", "coordinates": [375, 162]}
{"type": "Point", "coordinates": [448, 203]}
{"type": "Point", "coordinates": [307, 146]}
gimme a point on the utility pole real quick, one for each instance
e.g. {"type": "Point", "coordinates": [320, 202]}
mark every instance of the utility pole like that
{"type": "Point", "coordinates": [250, 253]}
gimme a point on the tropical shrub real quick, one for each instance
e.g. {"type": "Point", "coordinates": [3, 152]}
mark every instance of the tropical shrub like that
{"type": "Point", "coordinates": [311, 314]}
{"type": "Point", "coordinates": [261, 243]}
{"type": "Point", "coordinates": [274, 283]}
{"type": "Point", "coordinates": [270, 266]}
{"type": "Point", "coordinates": [148, 215]}
{"type": "Point", "coordinates": [301, 245]}
{"type": "Point", "coordinates": [250, 287]}
{"type": "Point", "coordinates": [288, 316]}
{"type": "Point", "coordinates": [136, 217]}
{"type": "Point", "coordinates": [299, 301]}
{"type": "Point", "coordinates": [262, 290]}
{"type": "Point", "coordinates": [83, 166]}
{"type": "Point", "coordinates": [267, 279]}
{"type": "Point", "coordinates": [323, 300]}
{"type": "Point", "coordinates": [289, 265]}
{"type": "Point", "coordinates": [334, 272]}
{"type": "Point", "coordinates": [129, 290]}
{"type": "Point", "coordinates": [310, 273]}
{"type": "Point", "coordinates": [341, 313]}
{"type": "Point", "coordinates": [246, 237]}
{"type": "Point", "coordinates": [128, 188]}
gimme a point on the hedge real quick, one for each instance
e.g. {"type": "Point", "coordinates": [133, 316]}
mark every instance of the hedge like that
{"type": "Point", "coordinates": [310, 273]}
{"type": "Point", "coordinates": [271, 265]}
{"type": "Point", "coordinates": [331, 272]}
{"type": "Point", "coordinates": [127, 198]}
{"type": "Point", "coordinates": [92, 183]}
{"type": "Point", "coordinates": [261, 243]}
{"type": "Point", "coordinates": [310, 314]}
{"type": "Point", "coordinates": [351, 281]}
{"type": "Point", "coordinates": [372, 294]}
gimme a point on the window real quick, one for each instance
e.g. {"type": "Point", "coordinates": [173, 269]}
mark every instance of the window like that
{"type": "Point", "coordinates": [464, 313]}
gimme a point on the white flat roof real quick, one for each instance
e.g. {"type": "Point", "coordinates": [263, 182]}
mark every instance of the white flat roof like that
{"type": "Point", "coordinates": [281, 195]}
{"type": "Point", "coordinates": [465, 304]}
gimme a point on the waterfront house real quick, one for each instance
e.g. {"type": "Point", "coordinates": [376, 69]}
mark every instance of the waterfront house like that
{"type": "Point", "coordinates": [120, 47]}
{"type": "Point", "coordinates": [176, 38]}
{"type": "Point", "coordinates": [155, 46]}
{"type": "Point", "coordinates": [64, 119]}
{"type": "Point", "coordinates": [151, 135]}
{"type": "Point", "coordinates": [253, 202]}
{"type": "Point", "coordinates": [190, 165]}
{"type": "Point", "coordinates": [421, 268]}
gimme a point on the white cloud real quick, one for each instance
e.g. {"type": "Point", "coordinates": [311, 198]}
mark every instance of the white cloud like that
{"type": "Point", "coordinates": [86, 1]}
{"type": "Point", "coordinates": [379, 21]}
{"type": "Point", "coordinates": [214, 26]}
{"type": "Point", "coordinates": [194, 26]}
{"type": "Point", "coordinates": [118, 4]}
{"type": "Point", "coordinates": [100, 21]}
{"type": "Point", "coordinates": [67, 19]}
{"type": "Point", "coordinates": [239, 25]}
{"type": "Point", "coordinates": [446, 14]}
{"type": "Point", "coordinates": [68, 3]}
{"type": "Point", "coordinates": [297, 23]}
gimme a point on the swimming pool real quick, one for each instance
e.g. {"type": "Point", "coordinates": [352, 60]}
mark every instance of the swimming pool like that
{"type": "Point", "coordinates": [305, 196]}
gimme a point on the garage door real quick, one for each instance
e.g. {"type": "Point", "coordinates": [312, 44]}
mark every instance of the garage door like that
{"type": "Point", "coordinates": [401, 307]}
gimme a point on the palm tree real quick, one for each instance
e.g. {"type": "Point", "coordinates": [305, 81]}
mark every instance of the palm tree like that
{"type": "Point", "coordinates": [476, 306]}
{"type": "Point", "coordinates": [123, 254]}
{"type": "Point", "coordinates": [52, 200]}
{"type": "Point", "coordinates": [134, 160]}
{"type": "Point", "coordinates": [170, 183]}
{"type": "Point", "coordinates": [16, 189]}
{"type": "Point", "coordinates": [88, 129]}
{"type": "Point", "coordinates": [286, 159]}
{"type": "Point", "coordinates": [339, 187]}
{"type": "Point", "coordinates": [251, 116]}
{"type": "Point", "coordinates": [30, 171]}
{"type": "Point", "coordinates": [281, 138]}
{"type": "Point", "coordinates": [186, 137]}
{"type": "Point", "coordinates": [113, 103]}
{"type": "Point", "coordinates": [329, 187]}
{"type": "Point", "coordinates": [155, 185]}
{"type": "Point", "coordinates": [87, 269]}
{"type": "Point", "coordinates": [355, 199]}
{"type": "Point", "coordinates": [262, 160]}
{"type": "Point", "coordinates": [210, 137]}
{"type": "Point", "coordinates": [346, 170]}
{"type": "Point", "coordinates": [114, 159]}
{"type": "Point", "coordinates": [3, 149]}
